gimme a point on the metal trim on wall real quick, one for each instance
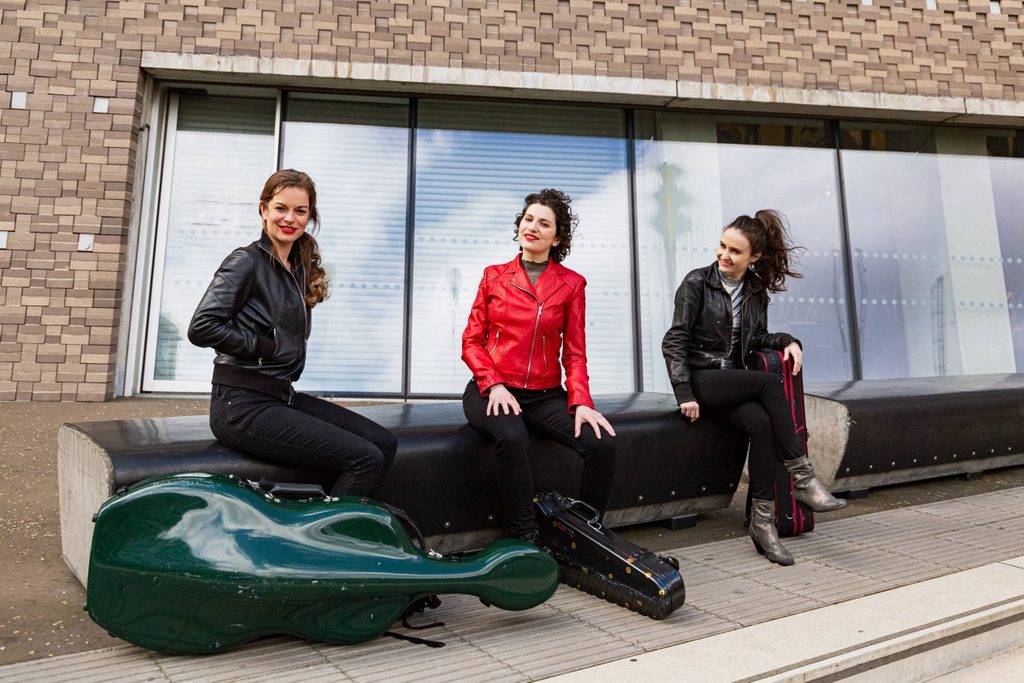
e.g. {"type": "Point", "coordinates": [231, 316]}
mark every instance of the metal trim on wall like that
{"type": "Point", "coordinates": [142, 234]}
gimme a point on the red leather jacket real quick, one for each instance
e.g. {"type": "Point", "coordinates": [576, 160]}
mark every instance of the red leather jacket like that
{"type": "Point", "coordinates": [515, 331]}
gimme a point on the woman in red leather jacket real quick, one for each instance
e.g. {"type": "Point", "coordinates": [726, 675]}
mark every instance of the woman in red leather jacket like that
{"type": "Point", "coordinates": [528, 313]}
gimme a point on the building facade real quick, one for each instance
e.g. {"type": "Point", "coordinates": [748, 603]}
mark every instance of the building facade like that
{"type": "Point", "coordinates": [135, 138]}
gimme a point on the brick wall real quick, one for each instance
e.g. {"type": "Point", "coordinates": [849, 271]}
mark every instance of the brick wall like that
{"type": "Point", "coordinates": [67, 158]}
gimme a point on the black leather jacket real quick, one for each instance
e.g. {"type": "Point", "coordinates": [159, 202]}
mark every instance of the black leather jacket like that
{"type": "Point", "coordinates": [254, 313]}
{"type": "Point", "coordinates": [701, 329]}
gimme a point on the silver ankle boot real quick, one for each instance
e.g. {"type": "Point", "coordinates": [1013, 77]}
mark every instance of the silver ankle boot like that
{"type": "Point", "coordinates": [765, 535]}
{"type": "Point", "coordinates": [809, 490]}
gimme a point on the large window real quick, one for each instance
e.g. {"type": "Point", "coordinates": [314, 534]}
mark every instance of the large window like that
{"type": "Point", "coordinates": [218, 154]}
{"type": "Point", "coordinates": [925, 238]}
{"type": "Point", "coordinates": [356, 150]}
{"type": "Point", "coordinates": [474, 166]}
{"type": "Point", "coordinates": [694, 175]}
{"type": "Point", "coordinates": [912, 236]}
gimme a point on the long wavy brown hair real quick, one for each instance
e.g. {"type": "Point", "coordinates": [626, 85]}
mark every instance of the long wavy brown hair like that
{"type": "Point", "coordinates": [309, 250]}
{"type": "Point", "coordinates": [769, 238]}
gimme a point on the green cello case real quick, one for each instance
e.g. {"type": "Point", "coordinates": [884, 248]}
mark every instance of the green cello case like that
{"type": "Point", "coordinates": [200, 563]}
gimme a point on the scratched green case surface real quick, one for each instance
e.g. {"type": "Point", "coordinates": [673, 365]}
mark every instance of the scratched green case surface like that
{"type": "Point", "coordinates": [200, 563]}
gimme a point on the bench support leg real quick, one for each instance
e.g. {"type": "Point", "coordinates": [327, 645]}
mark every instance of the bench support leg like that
{"type": "Point", "coordinates": [971, 476]}
{"type": "Point", "coordinates": [680, 522]}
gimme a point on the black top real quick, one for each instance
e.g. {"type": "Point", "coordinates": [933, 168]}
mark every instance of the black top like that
{"type": "Point", "coordinates": [254, 312]}
{"type": "Point", "coordinates": [701, 333]}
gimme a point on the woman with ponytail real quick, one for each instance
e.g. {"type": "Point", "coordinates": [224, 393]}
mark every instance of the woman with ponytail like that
{"type": "Point", "coordinates": [721, 315]}
{"type": "Point", "coordinates": [256, 314]}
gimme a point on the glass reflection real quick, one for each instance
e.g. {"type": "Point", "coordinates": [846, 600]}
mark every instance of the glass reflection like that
{"type": "Point", "coordinates": [356, 150]}
{"type": "Point", "coordinates": [474, 165]}
{"type": "Point", "coordinates": [208, 213]}
{"type": "Point", "coordinates": [1007, 180]}
{"type": "Point", "coordinates": [690, 184]}
{"type": "Point", "coordinates": [928, 276]}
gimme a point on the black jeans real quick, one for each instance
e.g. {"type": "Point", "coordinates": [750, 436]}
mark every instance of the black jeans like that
{"type": "Point", "coordinates": [311, 433]}
{"type": "Point", "coordinates": [755, 402]}
{"type": "Point", "coordinates": [545, 412]}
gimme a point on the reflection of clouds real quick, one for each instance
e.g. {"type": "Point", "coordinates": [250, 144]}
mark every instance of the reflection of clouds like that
{"type": "Point", "coordinates": [433, 145]}
{"type": "Point", "coordinates": [470, 185]}
{"type": "Point", "coordinates": [713, 184]}
{"type": "Point", "coordinates": [210, 202]}
{"type": "Point", "coordinates": [603, 209]}
{"type": "Point", "coordinates": [891, 201]}
{"type": "Point", "coordinates": [454, 287]}
{"type": "Point", "coordinates": [234, 536]}
{"type": "Point", "coordinates": [207, 532]}
{"type": "Point", "coordinates": [360, 172]}
{"type": "Point", "coordinates": [361, 177]}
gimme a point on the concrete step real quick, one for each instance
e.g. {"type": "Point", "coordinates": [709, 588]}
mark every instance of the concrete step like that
{"type": "Point", "coordinates": [1004, 668]}
{"type": "Point", "coordinates": [913, 633]}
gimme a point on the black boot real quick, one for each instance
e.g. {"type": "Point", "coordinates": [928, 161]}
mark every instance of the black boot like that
{"type": "Point", "coordinates": [809, 490]}
{"type": "Point", "coordinates": [765, 535]}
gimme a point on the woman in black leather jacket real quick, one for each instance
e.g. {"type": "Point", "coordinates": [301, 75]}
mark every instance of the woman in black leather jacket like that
{"type": "Point", "coordinates": [256, 314]}
{"type": "Point", "coordinates": [721, 314]}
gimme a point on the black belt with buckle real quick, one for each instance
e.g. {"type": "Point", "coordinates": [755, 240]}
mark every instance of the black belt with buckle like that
{"type": "Point", "coordinates": [254, 380]}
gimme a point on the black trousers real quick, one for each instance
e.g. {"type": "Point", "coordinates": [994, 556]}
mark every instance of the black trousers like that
{"type": "Point", "coordinates": [546, 413]}
{"type": "Point", "coordinates": [310, 433]}
{"type": "Point", "coordinates": [755, 402]}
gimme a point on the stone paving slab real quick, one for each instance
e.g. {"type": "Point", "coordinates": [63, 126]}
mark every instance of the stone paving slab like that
{"type": "Point", "coordinates": [964, 510]}
{"type": "Point", "coordinates": [277, 656]}
{"type": "Point", "coordinates": [729, 586]}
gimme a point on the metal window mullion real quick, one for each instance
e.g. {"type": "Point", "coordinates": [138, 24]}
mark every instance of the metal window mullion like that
{"type": "Point", "coordinates": [152, 317]}
{"type": "Point", "coordinates": [410, 220]}
{"type": "Point", "coordinates": [279, 117]}
{"type": "Point", "coordinates": [149, 195]}
{"type": "Point", "coordinates": [844, 230]}
{"type": "Point", "coordinates": [634, 253]}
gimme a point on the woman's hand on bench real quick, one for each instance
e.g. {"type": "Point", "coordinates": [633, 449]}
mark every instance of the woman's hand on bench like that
{"type": "Point", "coordinates": [593, 418]}
{"type": "Point", "coordinates": [690, 409]}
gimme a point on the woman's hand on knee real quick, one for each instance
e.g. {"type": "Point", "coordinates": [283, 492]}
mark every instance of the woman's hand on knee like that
{"type": "Point", "coordinates": [500, 398]}
{"type": "Point", "coordinates": [794, 351]}
{"type": "Point", "coordinates": [690, 409]}
{"type": "Point", "coordinates": [593, 418]}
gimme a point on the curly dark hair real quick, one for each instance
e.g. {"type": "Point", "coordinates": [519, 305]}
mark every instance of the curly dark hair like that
{"type": "Point", "coordinates": [565, 220]}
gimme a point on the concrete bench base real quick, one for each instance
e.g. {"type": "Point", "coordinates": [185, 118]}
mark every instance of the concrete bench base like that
{"type": "Point", "coordinates": [444, 474]}
{"type": "Point", "coordinates": [881, 432]}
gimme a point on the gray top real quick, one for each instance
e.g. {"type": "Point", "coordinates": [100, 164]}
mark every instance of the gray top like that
{"type": "Point", "coordinates": [533, 270]}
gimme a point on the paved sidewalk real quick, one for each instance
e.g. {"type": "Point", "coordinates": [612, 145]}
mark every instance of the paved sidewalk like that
{"type": "Point", "coordinates": [729, 587]}
{"type": "Point", "coordinates": [40, 600]}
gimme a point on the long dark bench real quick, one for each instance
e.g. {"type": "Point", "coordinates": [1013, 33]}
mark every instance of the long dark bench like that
{"type": "Point", "coordinates": [444, 474]}
{"type": "Point", "coordinates": [878, 432]}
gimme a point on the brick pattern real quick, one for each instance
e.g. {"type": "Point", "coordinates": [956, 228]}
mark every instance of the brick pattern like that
{"type": "Point", "coordinates": [67, 166]}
